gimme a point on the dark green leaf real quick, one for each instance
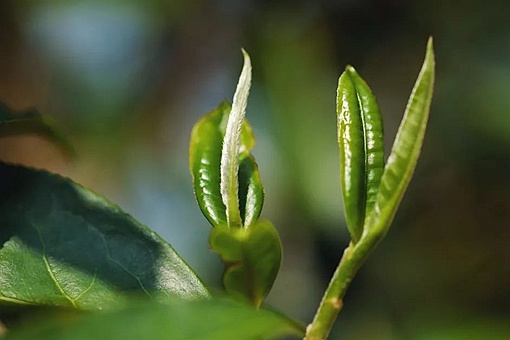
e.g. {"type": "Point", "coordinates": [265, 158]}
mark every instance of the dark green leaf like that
{"type": "Point", "coordinates": [205, 156]}
{"type": "Point", "coordinates": [352, 155]}
{"type": "Point", "coordinates": [30, 121]}
{"type": "Point", "coordinates": [406, 148]}
{"type": "Point", "coordinates": [373, 132]}
{"type": "Point", "coordinates": [360, 138]}
{"type": "Point", "coordinates": [251, 191]}
{"type": "Point", "coordinates": [63, 245]}
{"type": "Point", "coordinates": [216, 319]}
{"type": "Point", "coordinates": [252, 257]}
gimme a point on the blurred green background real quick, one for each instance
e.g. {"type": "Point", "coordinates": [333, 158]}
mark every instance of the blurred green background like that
{"type": "Point", "coordinates": [128, 79]}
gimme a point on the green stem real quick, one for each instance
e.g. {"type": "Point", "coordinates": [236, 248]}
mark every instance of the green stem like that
{"type": "Point", "coordinates": [353, 258]}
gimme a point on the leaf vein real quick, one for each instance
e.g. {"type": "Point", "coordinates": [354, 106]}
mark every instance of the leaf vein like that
{"type": "Point", "coordinates": [110, 258]}
{"type": "Point", "coordinates": [92, 283]}
{"type": "Point", "coordinates": [50, 270]}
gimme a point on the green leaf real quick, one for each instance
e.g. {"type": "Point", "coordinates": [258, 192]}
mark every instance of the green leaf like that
{"type": "Point", "coordinates": [251, 191]}
{"type": "Point", "coordinates": [406, 148]}
{"type": "Point", "coordinates": [63, 245]}
{"type": "Point", "coordinates": [252, 257]}
{"type": "Point", "coordinates": [204, 163]}
{"type": "Point", "coordinates": [373, 133]}
{"type": "Point", "coordinates": [360, 138]}
{"type": "Point", "coordinates": [229, 191]}
{"type": "Point", "coordinates": [216, 319]}
{"type": "Point", "coordinates": [395, 178]}
{"type": "Point", "coordinates": [229, 184]}
{"type": "Point", "coordinates": [30, 121]}
{"type": "Point", "coordinates": [205, 157]}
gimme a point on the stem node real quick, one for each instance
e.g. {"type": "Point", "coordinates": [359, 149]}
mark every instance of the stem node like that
{"type": "Point", "coordinates": [336, 303]}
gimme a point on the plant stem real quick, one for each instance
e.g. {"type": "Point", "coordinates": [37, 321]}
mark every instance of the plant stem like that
{"type": "Point", "coordinates": [354, 256]}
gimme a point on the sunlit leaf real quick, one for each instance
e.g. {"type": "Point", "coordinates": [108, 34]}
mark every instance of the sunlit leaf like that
{"type": "Point", "coordinates": [205, 156]}
{"type": "Point", "coordinates": [229, 185]}
{"type": "Point", "coordinates": [406, 148]}
{"type": "Point", "coordinates": [63, 245]}
{"type": "Point", "coordinates": [204, 163]}
{"type": "Point", "coordinates": [361, 142]}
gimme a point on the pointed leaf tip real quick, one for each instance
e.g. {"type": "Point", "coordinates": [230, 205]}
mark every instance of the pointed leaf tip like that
{"type": "Point", "coordinates": [229, 165]}
{"type": "Point", "coordinates": [429, 56]}
{"type": "Point", "coordinates": [406, 148]}
{"type": "Point", "coordinates": [430, 43]}
{"type": "Point", "coordinates": [349, 69]}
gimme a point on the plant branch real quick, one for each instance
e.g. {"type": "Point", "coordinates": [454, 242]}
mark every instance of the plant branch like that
{"type": "Point", "coordinates": [353, 258]}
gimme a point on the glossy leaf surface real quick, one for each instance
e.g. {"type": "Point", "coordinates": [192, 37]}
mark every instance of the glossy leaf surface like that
{"type": "Point", "coordinates": [395, 178]}
{"type": "Point", "coordinates": [360, 138]}
{"type": "Point", "coordinates": [63, 245]}
{"type": "Point", "coordinates": [373, 133]}
{"type": "Point", "coordinates": [252, 257]}
{"type": "Point", "coordinates": [251, 191]}
{"type": "Point", "coordinates": [216, 319]}
{"type": "Point", "coordinates": [406, 148]}
{"type": "Point", "coordinates": [204, 162]}
{"type": "Point", "coordinates": [205, 157]}
{"type": "Point", "coordinates": [31, 122]}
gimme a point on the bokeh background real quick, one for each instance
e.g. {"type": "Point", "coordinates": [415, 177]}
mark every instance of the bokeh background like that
{"type": "Point", "coordinates": [128, 79]}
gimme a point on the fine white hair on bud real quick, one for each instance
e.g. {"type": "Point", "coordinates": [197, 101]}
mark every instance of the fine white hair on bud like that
{"type": "Point", "coordinates": [229, 154]}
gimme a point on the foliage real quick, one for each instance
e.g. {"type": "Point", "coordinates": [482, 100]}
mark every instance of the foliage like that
{"type": "Point", "coordinates": [226, 319]}
{"type": "Point", "coordinates": [30, 121]}
{"type": "Point", "coordinates": [65, 246]}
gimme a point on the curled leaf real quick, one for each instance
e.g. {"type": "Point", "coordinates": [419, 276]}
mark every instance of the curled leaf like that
{"type": "Point", "coordinates": [229, 191]}
{"type": "Point", "coordinates": [251, 191]}
{"type": "Point", "coordinates": [205, 155]}
{"type": "Point", "coordinates": [31, 122]}
{"type": "Point", "coordinates": [204, 162]}
{"type": "Point", "coordinates": [226, 179]}
{"type": "Point", "coordinates": [360, 139]}
{"type": "Point", "coordinates": [231, 146]}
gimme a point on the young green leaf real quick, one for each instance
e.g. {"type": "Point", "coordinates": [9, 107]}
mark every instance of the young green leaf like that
{"type": "Point", "coordinates": [251, 191]}
{"type": "Point", "coordinates": [252, 257]}
{"type": "Point", "coordinates": [215, 319]}
{"type": "Point", "coordinates": [373, 133]}
{"type": "Point", "coordinates": [360, 138]}
{"type": "Point", "coordinates": [229, 184]}
{"type": "Point", "coordinates": [63, 245]}
{"type": "Point", "coordinates": [31, 122]}
{"type": "Point", "coordinates": [250, 249]}
{"type": "Point", "coordinates": [205, 155]}
{"type": "Point", "coordinates": [406, 149]}
{"type": "Point", "coordinates": [395, 178]}
{"type": "Point", "coordinates": [204, 162]}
